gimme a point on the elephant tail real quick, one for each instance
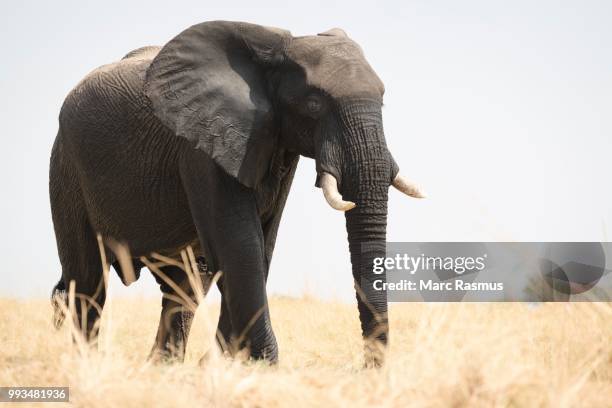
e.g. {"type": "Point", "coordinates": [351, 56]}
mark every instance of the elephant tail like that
{"type": "Point", "coordinates": [59, 301]}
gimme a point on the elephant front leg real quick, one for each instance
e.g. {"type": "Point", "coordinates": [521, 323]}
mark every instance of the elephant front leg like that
{"type": "Point", "coordinates": [244, 319]}
{"type": "Point", "coordinates": [246, 305]}
{"type": "Point", "coordinates": [244, 322]}
{"type": "Point", "coordinates": [226, 217]}
{"type": "Point", "coordinates": [176, 316]}
{"type": "Point", "coordinates": [271, 196]}
{"type": "Point", "coordinates": [224, 335]}
{"type": "Point", "coordinates": [224, 338]}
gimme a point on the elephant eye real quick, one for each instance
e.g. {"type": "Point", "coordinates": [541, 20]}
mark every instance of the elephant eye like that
{"type": "Point", "coordinates": [313, 105]}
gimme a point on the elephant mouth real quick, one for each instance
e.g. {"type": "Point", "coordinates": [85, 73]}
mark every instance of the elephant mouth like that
{"type": "Point", "coordinates": [353, 162]}
{"type": "Point", "coordinates": [329, 184]}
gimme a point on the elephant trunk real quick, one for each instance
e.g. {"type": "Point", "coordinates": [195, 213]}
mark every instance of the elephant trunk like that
{"type": "Point", "coordinates": [366, 226]}
{"type": "Point", "coordinates": [366, 175]}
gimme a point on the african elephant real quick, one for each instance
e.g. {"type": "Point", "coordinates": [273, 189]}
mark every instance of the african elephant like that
{"type": "Point", "coordinates": [197, 142]}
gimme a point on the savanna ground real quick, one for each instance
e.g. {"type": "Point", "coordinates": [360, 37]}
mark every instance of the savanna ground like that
{"type": "Point", "coordinates": [440, 355]}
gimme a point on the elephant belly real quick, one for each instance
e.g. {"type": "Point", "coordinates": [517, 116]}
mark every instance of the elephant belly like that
{"type": "Point", "coordinates": [154, 229]}
{"type": "Point", "coordinates": [149, 211]}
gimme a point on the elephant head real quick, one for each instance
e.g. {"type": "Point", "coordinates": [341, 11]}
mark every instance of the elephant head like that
{"type": "Point", "coordinates": [240, 92]}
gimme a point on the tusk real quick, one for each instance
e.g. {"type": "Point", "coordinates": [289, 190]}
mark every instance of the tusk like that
{"type": "Point", "coordinates": [332, 195]}
{"type": "Point", "coordinates": [407, 187]}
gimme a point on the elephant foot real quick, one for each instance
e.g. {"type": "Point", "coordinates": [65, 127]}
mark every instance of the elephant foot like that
{"type": "Point", "coordinates": [374, 354]}
{"type": "Point", "coordinates": [59, 301]}
{"type": "Point", "coordinates": [157, 356]}
{"type": "Point", "coordinates": [242, 355]}
{"type": "Point", "coordinates": [268, 354]}
{"type": "Point", "coordinates": [212, 355]}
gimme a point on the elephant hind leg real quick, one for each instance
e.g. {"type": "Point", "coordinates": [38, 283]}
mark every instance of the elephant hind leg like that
{"type": "Point", "coordinates": [82, 267]}
{"type": "Point", "coordinates": [78, 251]}
{"type": "Point", "coordinates": [178, 309]}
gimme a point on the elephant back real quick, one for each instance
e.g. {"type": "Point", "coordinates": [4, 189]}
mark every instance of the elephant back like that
{"type": "Point", "coordinates": [147, 52]}
{"type": "Point", "coordinates": [110, 90]}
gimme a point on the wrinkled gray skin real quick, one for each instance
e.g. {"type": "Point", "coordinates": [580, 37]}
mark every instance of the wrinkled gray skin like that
{"type": "Point", "coordinates": [197, 142]}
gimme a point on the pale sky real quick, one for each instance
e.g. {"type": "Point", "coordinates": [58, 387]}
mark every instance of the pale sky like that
{"type": "Point", "coordinates": [501, 110]}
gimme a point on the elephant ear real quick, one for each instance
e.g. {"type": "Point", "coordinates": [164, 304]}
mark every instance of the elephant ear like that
{"type": "Point", "coordinates": [208, 85]}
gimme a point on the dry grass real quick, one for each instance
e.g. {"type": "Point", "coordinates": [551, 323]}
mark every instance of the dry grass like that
{"type": "Point", "coordinates": [441, 355]}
